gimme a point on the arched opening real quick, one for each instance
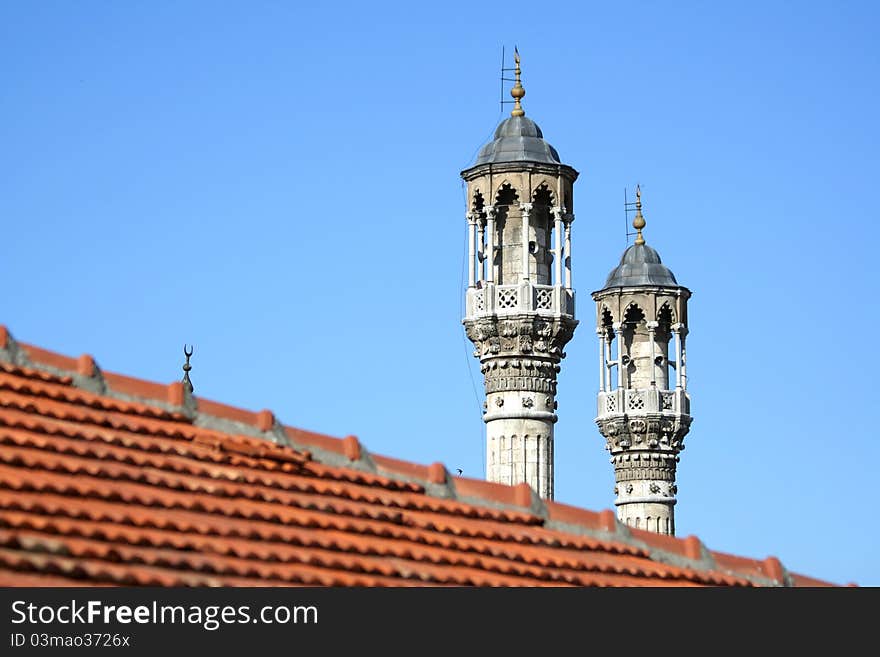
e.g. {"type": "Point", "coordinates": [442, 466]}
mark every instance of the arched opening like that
{"type": "Point", "coordinates": [507, 259]}
{"type": "Point", "coordinates": [477, 209]}
{"type": "Point", "coordinates": [662, 337]}
{"type": "Point", "coordinates": [608, 379]}
{"type": "Point", "coordinates": [541, 235]}
{"type": "Point", "coordinates": [478, 203]}
{"type": "Point", "coordinates": [631, 346]}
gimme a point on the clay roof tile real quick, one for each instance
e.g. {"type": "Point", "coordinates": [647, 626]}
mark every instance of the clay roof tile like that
{"type": "Point", "coordinates": [130, 487]}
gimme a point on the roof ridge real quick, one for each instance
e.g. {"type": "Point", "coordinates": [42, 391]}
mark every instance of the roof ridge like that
{"type": "Point", "coordinates": [330, 453]}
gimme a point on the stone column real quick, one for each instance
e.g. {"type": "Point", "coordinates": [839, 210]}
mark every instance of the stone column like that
{"type": "Point", "coordinates": [472, 259]}
{"type": "Point", "coordinates": [601, 333]}
{"type": "Point", "coordinates": [608, 356]}
{"type": "Point", "coordinates": [557, 230]}
{"type": "Point", "coordinates": [569, 218]}
{"type": "Point", "coordinates": [684, 377]}
{"type": "Point", "coordinates": [676, 329]}
{"type": "Point", "coordinates": [618, 330]}
{"type": "Point", "coordinates": [526, 209]}
{"type": "Point", "coordinates": [490, 244]}
{"type": "Point", "coordinates": [652, 328]}
{"type": "Point", "coordinates": [481, 251]}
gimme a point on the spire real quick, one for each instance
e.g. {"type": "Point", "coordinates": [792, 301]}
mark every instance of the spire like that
{"type": "Point", "coordinates": [639, 220]}
{"type": "Point", "coordinates": [518, 91]}
{"type": "Point", "coordinates": [186, 369]}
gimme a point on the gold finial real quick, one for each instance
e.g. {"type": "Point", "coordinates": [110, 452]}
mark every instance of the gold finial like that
{"type": "Point", "coordinates": [639, 221]}
{"type": "Point", "coordinates": [517, 92]}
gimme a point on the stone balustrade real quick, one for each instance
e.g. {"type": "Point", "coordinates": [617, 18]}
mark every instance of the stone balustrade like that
{"type": "Point", "coordinates": [643, 401]}
{"type": "Point", "coordinates": [524, 297]}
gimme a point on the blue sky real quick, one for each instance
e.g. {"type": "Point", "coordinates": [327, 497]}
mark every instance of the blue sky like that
{"type": "Point", "coordinates": [279, 185]}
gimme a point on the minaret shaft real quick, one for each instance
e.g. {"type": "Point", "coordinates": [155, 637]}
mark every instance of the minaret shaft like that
{"type": "Point", "coordinates": [519, 314]}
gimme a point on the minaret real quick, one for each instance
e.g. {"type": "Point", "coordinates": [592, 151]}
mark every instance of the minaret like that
{"type": "Point", "coordinates": [642, 414]}
{"type": "Point", "coordinates": [519, 301]}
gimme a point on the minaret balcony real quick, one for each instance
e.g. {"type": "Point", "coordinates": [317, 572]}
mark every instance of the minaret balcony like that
{"type": "Point", "coordinates": [524, 297]}
{"type": "Point", "coordinates": [643, 401]}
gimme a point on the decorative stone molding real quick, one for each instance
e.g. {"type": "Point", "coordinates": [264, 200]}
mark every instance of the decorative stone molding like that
{"type": "Point", "coordinates": [520, 335]}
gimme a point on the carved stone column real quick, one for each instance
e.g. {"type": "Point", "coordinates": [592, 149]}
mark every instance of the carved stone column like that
{"type": "Point", "coordinates": [618, 331]}
{"type": "Point", "coordinates": [652, 329]}
{"type": "Point", "coordinates": [676, 329]}
{"type": "Point", "coordinates": [569, 218]}
{"type": "Point", "coordinates": [558, 212]}
{"type": "Point", "coordinates": [490, 244]}
{"type": "Point", "coordinates": [526, 209]}
{"type": "Point", "coordinates": [472, 259]}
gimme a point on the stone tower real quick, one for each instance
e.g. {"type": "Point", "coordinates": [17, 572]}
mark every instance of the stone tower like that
{"type": "Point", "coordinates": [643, 415]}
{"type": "Point", "coordinates": [519, 301]}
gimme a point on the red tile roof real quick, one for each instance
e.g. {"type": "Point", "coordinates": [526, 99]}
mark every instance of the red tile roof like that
{"type": "Point", "coordinates": [110, 480]}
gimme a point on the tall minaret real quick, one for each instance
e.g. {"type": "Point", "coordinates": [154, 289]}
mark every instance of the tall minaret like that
{"type": "Point", "coordinates": [520, 302]}
{"type": "Point", "coordinates": [642, 414]}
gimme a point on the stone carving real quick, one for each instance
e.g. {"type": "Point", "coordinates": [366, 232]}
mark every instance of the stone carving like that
{"type": "Point", "coordinates": [499, 401]}
{"type": "Point", "coordinates": [623, 473]}
{"type": "Point", "coordinates": [508, 297]}
{"type": "Point", "coordinates": [508, 329]}
{"type": "Point", "coordinates": [527, 402]}
{"type": "Point", "coordinates": [635, 402]}
{"type": "Point", "coordinates": [629, 489]}
{"type": "Point", "coordinates": [520, 375]}
{"type": "Point", "coordinates": [519, 337]}
{"type": "Point", "coordinates": [654, 488]}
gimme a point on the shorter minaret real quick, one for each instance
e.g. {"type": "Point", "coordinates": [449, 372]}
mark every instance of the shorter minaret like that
{"type": "Point", "coordinates": [642, 413]}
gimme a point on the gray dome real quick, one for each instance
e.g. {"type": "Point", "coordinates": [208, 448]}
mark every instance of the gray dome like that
{"type": "Point", "coordinates": [518, 139]}
{"type": "Point", "coordinates": [640, 265]}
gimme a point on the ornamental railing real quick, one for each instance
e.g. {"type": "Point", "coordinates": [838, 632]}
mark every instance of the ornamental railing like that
{"type": "Point", "coordinates": [491, 299]}
{"type": "Point", "coordinates": [643, 401]}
